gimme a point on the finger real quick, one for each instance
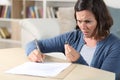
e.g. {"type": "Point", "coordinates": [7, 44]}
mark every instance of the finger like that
{"type": "Point", "coordinates": [69, 57]}
{"type": "Point", "coordinates": [35, 57]}
{"type": "Point", "coordinates": [70, 50]}
{"type": "Point", "coordinates": [39, 55]}
{"type": "Point", "coordinates": [32, 57]}
{"type": "Point", "coordinates": [67, 52]}
{"type": "Point", "coordinates": [66, 49]}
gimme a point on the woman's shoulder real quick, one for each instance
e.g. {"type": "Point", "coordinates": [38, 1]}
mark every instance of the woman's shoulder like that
{"type": "Point", "coordinates": [113, 39]}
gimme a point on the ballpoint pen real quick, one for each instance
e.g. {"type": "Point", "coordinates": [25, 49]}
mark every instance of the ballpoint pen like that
{"type": "Point", "coordinates": [36, 42]}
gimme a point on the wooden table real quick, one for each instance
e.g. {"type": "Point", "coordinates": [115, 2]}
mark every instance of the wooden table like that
{"type": "Point", "coordinates": [13, 57]}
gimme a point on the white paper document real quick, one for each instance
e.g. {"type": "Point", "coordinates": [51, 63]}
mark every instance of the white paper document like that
{"type": "Point", "coordinates": [50, 69]}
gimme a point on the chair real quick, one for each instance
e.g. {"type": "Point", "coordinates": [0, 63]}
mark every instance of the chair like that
{"type": "Point", "coordinates": [38, 28]}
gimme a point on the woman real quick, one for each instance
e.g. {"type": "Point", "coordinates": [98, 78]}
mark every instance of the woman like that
{"type": "Point", "coordinates": [90, 44]}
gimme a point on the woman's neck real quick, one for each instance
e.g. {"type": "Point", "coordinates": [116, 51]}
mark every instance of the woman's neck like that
{"type": "Point", "coordinates": [91, 42]}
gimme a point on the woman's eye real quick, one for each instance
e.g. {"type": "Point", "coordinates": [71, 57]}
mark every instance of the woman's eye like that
{"type": "Point", "coordinates": [87, 21]}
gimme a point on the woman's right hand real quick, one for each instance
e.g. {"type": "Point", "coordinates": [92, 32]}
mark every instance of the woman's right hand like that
{"type": "Point", "coordinates": [36, 56]}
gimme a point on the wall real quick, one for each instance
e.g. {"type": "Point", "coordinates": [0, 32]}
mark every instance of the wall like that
{"type": "Point", "coordinates": [114, 8]}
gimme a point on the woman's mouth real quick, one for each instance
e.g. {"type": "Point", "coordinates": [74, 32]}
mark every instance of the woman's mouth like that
{"type": "Point", "coordinates": [85, 32]}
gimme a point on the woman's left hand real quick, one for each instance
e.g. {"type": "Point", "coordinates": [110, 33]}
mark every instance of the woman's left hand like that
{"type": "Point", "coordinates": [71, 54]}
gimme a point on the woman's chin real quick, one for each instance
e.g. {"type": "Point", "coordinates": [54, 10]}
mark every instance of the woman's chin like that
{"type": "Point", "coordinates": [86, 35]}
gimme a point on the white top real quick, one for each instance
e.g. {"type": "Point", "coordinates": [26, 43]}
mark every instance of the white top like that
{"type": "Point", "coordinates": [87, 53]}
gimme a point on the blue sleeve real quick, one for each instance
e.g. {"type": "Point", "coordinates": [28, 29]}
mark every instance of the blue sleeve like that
{"type": "Point", "coordinates": [55, 44]}
{"type": "Point", "coordinates": [30, 47]}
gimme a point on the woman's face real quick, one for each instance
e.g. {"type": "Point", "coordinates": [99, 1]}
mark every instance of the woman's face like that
{"type": "Point", "coordinates": [86, 22]}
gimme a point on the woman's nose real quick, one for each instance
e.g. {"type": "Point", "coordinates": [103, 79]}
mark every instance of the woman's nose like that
{"type": "Point", "coordinates": [83, 25]}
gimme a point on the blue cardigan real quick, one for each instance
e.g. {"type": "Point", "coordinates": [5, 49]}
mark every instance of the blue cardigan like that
{"type": "Point", "coordinates": [106, 56]}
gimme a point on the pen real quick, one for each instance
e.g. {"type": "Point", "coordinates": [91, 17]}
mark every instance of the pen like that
{"type": "Point", "coordinates": [36, 42]}
{"type": "Point", "coordinates": [66, 42]}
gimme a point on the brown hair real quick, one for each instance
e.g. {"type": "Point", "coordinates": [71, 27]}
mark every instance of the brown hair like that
{"type": "Point", "coordinates": [101, 13]}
